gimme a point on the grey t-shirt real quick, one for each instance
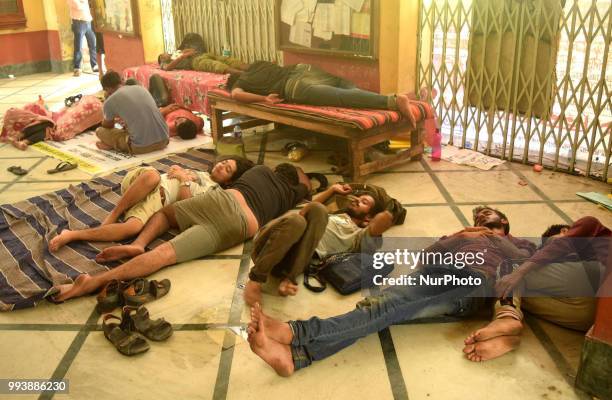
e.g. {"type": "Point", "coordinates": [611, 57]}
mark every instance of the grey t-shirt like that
{"type": "Point", "coordinates": [135, 106]}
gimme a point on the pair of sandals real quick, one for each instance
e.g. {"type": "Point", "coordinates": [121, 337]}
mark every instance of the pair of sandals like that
{"type": "Point", "coordinates": [133, 293]}
{"type": "Point", "coordinates": [71, 100]}
{"type": "Point", "coordinates": [61, 167]}
{"type": "Point", "coordinates": [129, 333]}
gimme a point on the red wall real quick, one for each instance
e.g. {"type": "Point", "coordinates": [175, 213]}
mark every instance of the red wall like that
{"type": "Point", "coordinates": [122, 52]}
{"type": "Point", "coordinates": [364, 74]}
{"type": "Point", "coordinates": [27, 47]}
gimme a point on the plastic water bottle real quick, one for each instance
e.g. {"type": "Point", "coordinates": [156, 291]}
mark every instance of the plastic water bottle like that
{"type": "Point", "coordinates": [237, 132]}
{"type": "Point", "coordinates": [436, 146]}
{"type": "Point", "coordinates": [226, 52]}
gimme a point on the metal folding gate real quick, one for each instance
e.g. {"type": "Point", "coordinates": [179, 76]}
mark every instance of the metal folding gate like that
{"type": "Point", "coordinates": [245, 27]}
{"type": "Point", "coordinates": [497, 94]}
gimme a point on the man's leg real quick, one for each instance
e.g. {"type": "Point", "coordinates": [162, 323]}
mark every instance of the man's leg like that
{"type": "Point", "coordinates": [113, 139]}
{"type": "Point", "coordinates": [300, 255]}
{"type": "Point", "coordinates": [141, 186]}
{"type": "Point", "coordinates": [103, 233]}
{"type": "Point", "coordinates": [90, 36]}
{"type": "Point", "coordinates": [159, 223]}
{"type": "Point", "coordinates": [77, 30]}
{"type": "Point", "coordinates": [143, 265]}
{"type": "Point", "coordinates": [270, 246]}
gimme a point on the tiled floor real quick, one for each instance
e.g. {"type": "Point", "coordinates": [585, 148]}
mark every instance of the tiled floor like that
{"type": "Point", "coordinates": [204, 359]}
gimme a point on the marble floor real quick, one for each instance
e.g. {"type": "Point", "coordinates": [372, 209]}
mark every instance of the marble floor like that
{"type": "Point", "coordinates": [206, 359]}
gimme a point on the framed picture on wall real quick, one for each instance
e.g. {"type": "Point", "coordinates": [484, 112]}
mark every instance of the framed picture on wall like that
{"type": "Point", "coordinates": [12, 14]}
{"type": "Point", "coordinates": [116, 16]}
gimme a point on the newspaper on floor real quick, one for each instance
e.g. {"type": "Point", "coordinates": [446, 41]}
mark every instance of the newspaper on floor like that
{"type": "Point", "coordinates": [469, 157]}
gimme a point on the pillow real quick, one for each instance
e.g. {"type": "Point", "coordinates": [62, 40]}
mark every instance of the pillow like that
{"type": "Point", "coordinates": [76, 119]}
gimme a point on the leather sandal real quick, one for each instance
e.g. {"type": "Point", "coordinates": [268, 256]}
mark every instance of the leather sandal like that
{"type": "Point", "coordinates": [139, 321]}
{"type": "Point", "coordinates": [126, 342]}
{"type": "Point", "coordinates": [141, 291]}
{"type": "Point", "coordinates": [110, 297]}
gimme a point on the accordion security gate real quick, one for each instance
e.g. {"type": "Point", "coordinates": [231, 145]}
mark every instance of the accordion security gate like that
{"type": "Point", "coordinates": [245, 27]}
{"type": "Point", "coordinates": [491, 95]}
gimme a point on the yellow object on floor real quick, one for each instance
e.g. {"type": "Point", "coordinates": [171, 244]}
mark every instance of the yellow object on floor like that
{"type": "Point", "coordinates": [399, 144]}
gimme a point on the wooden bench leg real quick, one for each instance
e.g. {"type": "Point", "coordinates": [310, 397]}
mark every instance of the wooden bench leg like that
{"type": "Point", "coordinates": [356, 158]}
{"type": "Point", "coordinates": [416, 136]}
{"type": "Point", "coordinates": [216, 124]}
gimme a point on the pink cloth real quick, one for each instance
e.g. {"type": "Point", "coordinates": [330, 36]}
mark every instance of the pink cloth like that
{"type": "Point", "coordinates": [187, 88]}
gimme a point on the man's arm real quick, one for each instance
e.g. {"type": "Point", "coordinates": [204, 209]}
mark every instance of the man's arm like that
{"type": "Point", "coordinates": [246, 97]}
{"type": "Point", "coordinates": [169, 108]}
{"type": "Point", "coordinates": [380, 223]}
{"type": "Point", "coordinates": [337, 188]}
{"type": "Point", "coordinates": [508, 248]}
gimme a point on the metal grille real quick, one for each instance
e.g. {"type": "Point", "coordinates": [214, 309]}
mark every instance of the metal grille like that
{"type": "Point", "coordinates": [576, 134]}
{"type": "Point", "coordinates": [246, 27]}
{"type": "Point", "coordinates": [168, 26]}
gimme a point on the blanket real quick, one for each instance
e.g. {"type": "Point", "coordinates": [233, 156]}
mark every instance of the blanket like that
{"type": "Point", "coordinates": [28, 269]}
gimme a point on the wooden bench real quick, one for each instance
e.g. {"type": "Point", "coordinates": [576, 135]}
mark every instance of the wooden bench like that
{"type": "Point", "coordinates": [358, 140]}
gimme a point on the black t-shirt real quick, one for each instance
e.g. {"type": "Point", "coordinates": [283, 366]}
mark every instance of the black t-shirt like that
{"type": "Point", "coordinates": [267, 194]}
{"type": "Point", "coordinates": [264, 77]}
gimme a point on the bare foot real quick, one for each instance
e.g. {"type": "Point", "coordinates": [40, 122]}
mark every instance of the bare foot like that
{"type": "Point", "coordinates": [495, 328]}
{"type": "Point", "coordinates": [403, 104]}
{"type": "Point", "coordinates": [118, 252]}
{"type": "Point", "coordinates": [493, 348]}
{"type": "Point", "coordinates": [287, 288]}
{"type": "Point", "coordinates": [252, 293]}
{"type": "Point", "coordinates": [275, 354]}
{"type": "Point", "coordinates": [21, 144]}
{"type": "Point", "coordinates": [103, 146]}
{"type": "Point", "coordinates": [83, 284]}
{"type": "Point", "coordinates": [275, 329]}
{"type": "Point", "coordinates": [60, 240]}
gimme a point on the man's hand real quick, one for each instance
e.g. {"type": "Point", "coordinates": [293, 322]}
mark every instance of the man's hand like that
{"type": "Point", "coordinates": [274, 98]}
{"type": "Point", "coordinates": [476, 232]}
{"type": "Point", "coordinates": [340, 188]}
{"type": "Point", "coordinates": [505, 286]}
{"type": "Point", "coordinates": [183, 175]}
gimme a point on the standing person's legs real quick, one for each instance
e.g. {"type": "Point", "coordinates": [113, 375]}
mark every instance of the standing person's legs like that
{"type": "Point", "coordinates": [271, 244]}
{"type": "Point", "coordinates": [90, 36]}
{"type": "Point", "coordinates": [113, 139]}
{"type": "Point", "coordinates": [78, 32]}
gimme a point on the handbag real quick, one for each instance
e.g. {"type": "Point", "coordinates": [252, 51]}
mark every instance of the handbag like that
{"type": "Point", "coordinates": [346, 272]}
{"type": "Point", "coordinates": [230, 146]}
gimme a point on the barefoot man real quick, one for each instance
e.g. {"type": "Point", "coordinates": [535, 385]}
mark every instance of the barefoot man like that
{"type": "Point", "coordinates": [289, 346]}
{"type": "Point", "coordinates": [211, 222]}
{"type": "Point", "coordinates": [145, 191]}
{"type": "Point", "coordinates": [286, 245]}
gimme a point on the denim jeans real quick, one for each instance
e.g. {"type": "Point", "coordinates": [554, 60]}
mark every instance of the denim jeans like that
{"type": "Point", "coordinates": [316, 339]}
{"type": "Point", "coordinates": [80, 29]}
{"type": "Point", "coordinates": [309, 85]}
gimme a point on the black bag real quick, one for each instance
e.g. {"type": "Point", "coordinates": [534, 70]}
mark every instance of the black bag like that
{"type": "Point", "coordinates": [345, 272]}
{"type": "Point", "coordinates": [36, 133]}
{"type": "Point", "coordinates": [159, 90]}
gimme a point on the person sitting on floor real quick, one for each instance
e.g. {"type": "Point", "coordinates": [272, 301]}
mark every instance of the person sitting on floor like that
{"type": "Point", "coordinates": [144, 127]}
{"type": "Point", "coordinates": [145, 191]}
{"type": "Point", "coordinates": [289, 346]}
{"type": "Point", "coordinates": [211, 222]}
{"type": "Point", "coordinates": [181, 121]}
{"type": "Point", "coordinates": [561, 281]}
{"type": "Point", "coordinates": [267, 82]}
{"type": "Point", "coordinates": [286, 245]}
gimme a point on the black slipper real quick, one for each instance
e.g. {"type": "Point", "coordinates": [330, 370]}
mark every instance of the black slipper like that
{"type": "Point", "coordinates": [17, 170]}
{"type": "Point", "coordinates": [62, 167]}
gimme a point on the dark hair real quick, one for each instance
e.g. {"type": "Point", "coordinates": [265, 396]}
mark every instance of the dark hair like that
{"type": "Point", "coordinates": [242, 165]}
{"type": "Point", "coordinates": [110, 80]}
{"type": "Point", "coordinates": [193, 41]}
{"type": "Point", "coordinates": [500, 214]}
{"type": "Point", "coordinates": [231, 80]}
{"type": "Point", "coordinates": [187, 129]}
{"type": "Point", "coordinates": [552, 231]}
{"type": "Point", "coordinates": [131, 82]}
{"type": "Point", "coordinates": [289, 172]}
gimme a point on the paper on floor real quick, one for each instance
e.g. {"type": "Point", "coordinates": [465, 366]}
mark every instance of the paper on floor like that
{"type": "Point", "coordinates": [469, 157]}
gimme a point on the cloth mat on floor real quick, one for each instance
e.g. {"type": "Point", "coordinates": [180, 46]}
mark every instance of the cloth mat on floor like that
{"type": "Point", "coordinates": [28, 269]}
{"type": "Point", "coordinates": [82, 150]}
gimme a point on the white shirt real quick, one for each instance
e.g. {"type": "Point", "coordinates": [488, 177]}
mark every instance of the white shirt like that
{"type": "Point", "coordinates": [79, 10]}
{"type": "Point", "coordinates": [171, 187]}
{"type": "Point", "coordinates": [341, 235]}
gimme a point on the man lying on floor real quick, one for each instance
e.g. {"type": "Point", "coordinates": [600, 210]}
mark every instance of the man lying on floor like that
{"type": "Point", "coordinates": [286, 245]}
{"type": "Point", "coordinates": [209, 223]}
{"type": "Point", "coordinates": [290, 346]}
{"type": "Point", "coordinates": [145, 191]}
{"type": "Point", "coordinates": [559, 283]}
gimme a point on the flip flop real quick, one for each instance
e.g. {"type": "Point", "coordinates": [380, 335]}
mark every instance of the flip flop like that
{"type": "Point", "coordinates": [126, 342]}
{"type": "Point", "coordinates": [17, 170]}
{"type": "Point", "coordinates": [141, 291]}
{"type": "Point", "coordinates": [138, 320]}
{"type": "Point", "coordinates": [62, 167]}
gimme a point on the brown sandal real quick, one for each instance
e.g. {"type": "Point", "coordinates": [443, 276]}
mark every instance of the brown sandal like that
{"type": "Point", "coordinates": [138, 320]}
{"type": "Point", "coordinates": [110, 297]}
{"type": "Point", "coordinates": [126, 342]}
{"type": "Point", "coordinates": [141, 291]}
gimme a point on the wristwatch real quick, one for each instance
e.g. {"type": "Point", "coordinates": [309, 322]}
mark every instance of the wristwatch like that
{"type": "Point", "coordinates": [186, 184]}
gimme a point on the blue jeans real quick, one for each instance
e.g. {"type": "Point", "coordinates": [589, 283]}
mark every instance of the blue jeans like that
{"type": "Point", "coordinates": [316, 339]}
{"type": "Point", "coordinates": [80, 29]}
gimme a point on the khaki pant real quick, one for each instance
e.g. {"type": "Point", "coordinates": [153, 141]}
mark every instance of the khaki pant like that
{"type": "Point", "coordinates": [285, 245]}
{"type": "Point", "coordinates": [119, 139]}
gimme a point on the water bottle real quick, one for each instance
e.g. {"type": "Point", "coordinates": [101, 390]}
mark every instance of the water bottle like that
{"type": "Point", "coordinates": [237, 132]}
{"type": "Point", "coordinates": [436, 146]}
{"type": "Point", "coordinates": [226, 52]}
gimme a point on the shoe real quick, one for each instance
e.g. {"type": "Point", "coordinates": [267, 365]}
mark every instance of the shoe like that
{"type": "Point", "coordinates": [77, 72]}
{"type": "Point", "coordinates": [95, 69]}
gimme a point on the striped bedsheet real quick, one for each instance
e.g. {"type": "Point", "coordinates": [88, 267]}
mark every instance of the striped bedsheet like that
{"type": "Point", "coordinates": [28, 269]}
